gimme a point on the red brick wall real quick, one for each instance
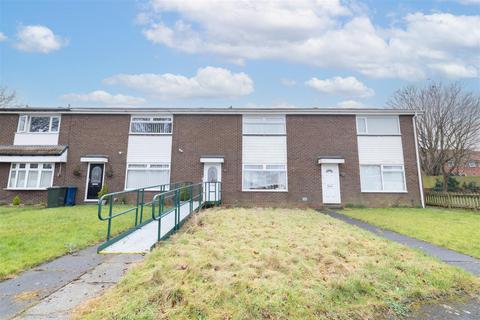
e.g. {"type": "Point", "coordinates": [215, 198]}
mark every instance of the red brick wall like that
{"type": "Point", "coordinates": [307, 138]}
{"type": "Point", "coordinates": [93, 135]}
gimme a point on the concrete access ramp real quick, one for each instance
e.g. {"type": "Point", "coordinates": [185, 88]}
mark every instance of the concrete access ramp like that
{"type": "Point", "coordinates": [143, 239]}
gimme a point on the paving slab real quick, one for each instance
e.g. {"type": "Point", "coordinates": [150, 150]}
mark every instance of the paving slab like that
{"type": "Point", "coordinates": [469, 310]}
{"type": "Point", "coordinates": [38, 284]}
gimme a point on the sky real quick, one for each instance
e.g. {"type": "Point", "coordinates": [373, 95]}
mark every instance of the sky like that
{"type": "Point", "coordinates": [302, 53]}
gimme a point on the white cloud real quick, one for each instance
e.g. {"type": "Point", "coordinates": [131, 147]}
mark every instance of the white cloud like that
{"type": "Point", "coordinates": [468, 2]}
{"type": "Point", "coordinates": [350, 104]}
{"type": "Point", "coordinates": [3, 37]}
{"type": "Point", "coordinates": [38, 39]}
{"type": "Point", "coordinates": [348, 86]}
{"type": "Point", "coordinates": [320, 33]}
{"type": "Point", "coordinates": [103, 97]}
{"type": "Point", "coordinates": [209, 82]}
{"type": "Point", "coordinates": [288, 82]}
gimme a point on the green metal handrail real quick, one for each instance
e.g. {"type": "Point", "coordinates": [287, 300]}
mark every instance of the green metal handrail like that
{"type": "Point", "coordinates": [171, 201]}
{"type": "Point", "coordinates": [140, 203]}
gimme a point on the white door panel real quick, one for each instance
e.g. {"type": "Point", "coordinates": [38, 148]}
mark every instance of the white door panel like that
{"type": "Point", "coordinates": [330, 184]}
{"type": "Point", "coordinates": [212, 172]}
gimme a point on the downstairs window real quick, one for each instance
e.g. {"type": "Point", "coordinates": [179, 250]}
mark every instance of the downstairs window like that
{"type": "Point", "coordinates": [268, 177]}
{"type": "Point", "coordinates": [140, 175]}
{"type": "Point", "coordinates": [31, 176]}
{"type": "Point", "coordinates": [382, 178]}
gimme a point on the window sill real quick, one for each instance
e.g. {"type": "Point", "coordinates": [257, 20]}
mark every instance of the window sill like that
{"type": "Point", "coordinates": [264, 190]}
{"type": "Point", "coordinates": [149, 134]}
{"type": "Point", "coordinates": [382, 191]}
{"type": "Point", "coordinates": [25, 189]}
{"type": "Point", "coordinates": [264, 134]}
{"type": "Point", "coordinates": [36, 132]}
{"type": "Point", "coordinates": [380, 134]}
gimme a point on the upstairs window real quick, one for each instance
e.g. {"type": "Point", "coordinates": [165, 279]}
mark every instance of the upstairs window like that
{"type": "Point", "coordinates": [264, 125]}
{"type": "Point", "coordinates": [378, 125]}
{"type": "Point", "coordinates": [38, 124]}
{"type": "Point", "coordinates": [151, 125]}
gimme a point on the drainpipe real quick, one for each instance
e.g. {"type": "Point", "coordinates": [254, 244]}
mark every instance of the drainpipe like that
{"type": "Point", "coordinates": [420, 182]}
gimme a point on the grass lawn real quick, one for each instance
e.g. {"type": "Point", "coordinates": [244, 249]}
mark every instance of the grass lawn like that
{"type": "Point", "coordinates": [30, 236]}
{"type": "Point", "coordinates": [454, 229]}
{"type": "Point", "coordinates": [276, 264]}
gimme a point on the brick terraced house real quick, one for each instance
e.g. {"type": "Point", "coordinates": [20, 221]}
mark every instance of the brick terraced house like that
{"type": "Point", "coordinates": [282, 157]}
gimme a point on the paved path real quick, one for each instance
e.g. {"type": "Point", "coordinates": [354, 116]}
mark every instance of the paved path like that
{"type": "Point", "coordinates": [451, 257]}
{"type": "Point", "coordinates": [469, 310]}
{"type": "Point", "coordinates": [142, 240]}
{"type": "Point", "coordinates": [52, 289]}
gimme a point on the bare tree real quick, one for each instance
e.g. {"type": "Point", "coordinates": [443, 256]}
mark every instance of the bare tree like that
{"type": "Point", "coordinates": [449, 128]}
{"type": "Point", "coordinates": [7, 98]}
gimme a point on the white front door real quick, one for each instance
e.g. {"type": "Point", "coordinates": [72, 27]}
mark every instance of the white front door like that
{"type": "Point", "coordinates": [212, 172]}
{"type": "Point", "coordinates": [330, 183]}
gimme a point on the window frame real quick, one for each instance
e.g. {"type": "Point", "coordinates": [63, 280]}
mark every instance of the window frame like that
{"type": "Point", "coordinates": [247, 117]}
{"type": "Point", "coordinates": [147, 167]}
{"type": "Point", "coordinates": [366, 133]}
{"type": "Point", "coordinates": [27, 170]}
{"type": "Point", "coordinates": [382, 169]}
{"type": "Point", "coordinates": [151, 117]}
{"type": "Point", "coordinates": [264, 165]}
{"type": "Point", "coordinates": [28, 120]}
{"type": "Point", "coordinates": [472, 164]}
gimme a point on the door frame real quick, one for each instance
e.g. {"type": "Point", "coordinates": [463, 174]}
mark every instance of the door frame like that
{"type": "Point", "coordinates": [88, 178]}
{"type": "Point", "coordinates": [219, 175]}
{"type": "Point", "coordinates": [337, 177]}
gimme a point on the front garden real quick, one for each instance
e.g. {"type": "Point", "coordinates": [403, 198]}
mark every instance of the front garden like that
{"type": "Point", "coordinates": [454, 229]}
{"type": "Point", "coordinates": [30, 236]}
{"type": "Point", "coordinates": [277, 264]}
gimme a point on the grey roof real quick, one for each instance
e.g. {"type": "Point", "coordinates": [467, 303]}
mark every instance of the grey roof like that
{"type": "Point", "coordinates": [207, 110]}
{"type": "Point", "coordinates": [11, 150]}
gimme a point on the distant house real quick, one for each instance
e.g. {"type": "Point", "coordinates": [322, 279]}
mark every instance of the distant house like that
{"type": "Point", "coordinates": [470, 168]}
{"type": "Point", "coordinates": [287, 156]}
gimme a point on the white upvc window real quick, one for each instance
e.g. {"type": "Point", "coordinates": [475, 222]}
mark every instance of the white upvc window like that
{"type": "Point", "coordinates": [264, 125]}
{"type": "Point", "coordinates": [382, 178]}
{"type": "Point", "coordinates": [378, 125]}
{"type": "Point", "coordinates": [38, 124]}
{"type": "Point", "coordinates": [31, 176]}
{"type": "Point", "coordinates": [141, 175]}
{"type": "Point", "coordinates": [160, 124]}
{"type": "Point", "coordinates": [264, 177]}
{"type": "Point", "coordinates": [472, 164]}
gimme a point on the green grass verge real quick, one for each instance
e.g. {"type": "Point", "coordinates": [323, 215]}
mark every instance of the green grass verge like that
{"type": "Point", "coordinates": [458, 230]}
{"type": "Point", "coordinates": [276, 264]}
{"type": "Point", "coordinates": [30, 236]}
{"type": "Point", "coordinates": [429, 181]}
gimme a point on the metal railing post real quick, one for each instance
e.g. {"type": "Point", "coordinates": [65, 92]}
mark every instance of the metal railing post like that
{"type": "Point", "coordinates": [141, 209]}
{"type": "Point", "coordinates": [136, 209]}
{"type": "Point", "coordinates": [160, 212]}
{"type": "Point", "coordinates": [190, 191]}
{"type": "Point", "coordinates": [110, 209]}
